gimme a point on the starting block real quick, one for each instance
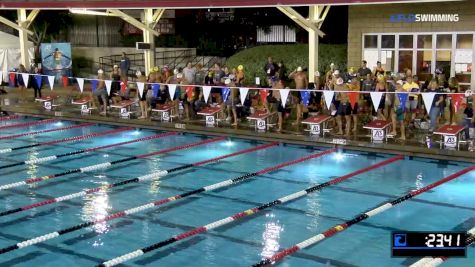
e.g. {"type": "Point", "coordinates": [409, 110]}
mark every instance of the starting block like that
{"type": "Point", "coordinates": [260, 120]}
{"type": "Point", "coordinates": [85, 104]}
{"type": "Point", "coordinates": [48, 102]}
{"type": "Point", "coordinates": [124, 108]}
{"type": "Point", "coordinates": [165, 112]}
{"type": "Point", "coordinates": [450, 135]}
{"type": "Point", "coordinates": [379, 130]}
{"type": "Point", "coordinates": [315, 124]}
{"type": "Point", "coordinates": [210, 114]}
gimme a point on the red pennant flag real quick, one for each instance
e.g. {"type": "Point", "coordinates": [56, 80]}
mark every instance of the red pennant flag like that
{"type": "Point", "coordinates": [353, 96]}
{"type": "Point", "coordinates": [123, 86]}
{"type": "Point", "coordinates": [189, 91]}
{"type": "Point", "coordinates": [456, 100]}
{"type": "Point", "coordinates": [263, 93]}
{"type": "Point", "coordinates": [65, 81]}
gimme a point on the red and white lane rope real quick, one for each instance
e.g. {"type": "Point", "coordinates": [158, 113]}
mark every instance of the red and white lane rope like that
{"type": "Point", "coordinates": [27, 124]}
{"type": "Point", "coordinates": [144, 178]}
{"type": "Point", "coordinates": [436, 261]}
{"type": "Point", "coordinates": [361, 217]}
{"type": "Point", "coordinates": [49, 158]}
{"type": "Point", "coordinates": [47, 131]}
{"type": "Point", "coordinates": [240, 215]}
{"type": "Point", "coordinates": [11, 117]}
{"type": "Point", "coordinates": [151, 205]}
{"type": "Point", "coordinates": [104, 165]}
{"type": "Point", "coordinates": [65, 140]}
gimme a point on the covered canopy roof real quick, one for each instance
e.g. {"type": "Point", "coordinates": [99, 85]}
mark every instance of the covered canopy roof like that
{"type": "Point", "coordinates": [173, 4]}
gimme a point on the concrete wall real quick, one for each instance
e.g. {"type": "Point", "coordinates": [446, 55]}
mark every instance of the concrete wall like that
{"type": "Point", "coordinates": [376, 19]}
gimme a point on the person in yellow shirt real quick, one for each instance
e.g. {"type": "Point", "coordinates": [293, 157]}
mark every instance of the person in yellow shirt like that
{"type": "Point", "coordinates": [411, 104]}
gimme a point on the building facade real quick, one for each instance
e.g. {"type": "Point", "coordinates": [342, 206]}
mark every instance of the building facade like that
{"type": "Point", "coordinates": [423, 37]}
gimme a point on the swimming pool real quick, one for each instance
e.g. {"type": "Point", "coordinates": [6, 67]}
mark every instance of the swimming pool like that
{"type": "Point", "coordinates": [243, 242]}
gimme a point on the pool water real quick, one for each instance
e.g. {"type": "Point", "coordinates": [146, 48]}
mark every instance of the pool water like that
{"type": "Point", "coordinates": [448, 207]}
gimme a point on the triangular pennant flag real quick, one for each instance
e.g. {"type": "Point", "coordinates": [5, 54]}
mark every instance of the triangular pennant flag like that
{"type": "Point", "coordinates": [155, 89]}
{"type": "Point", "coordinates": [263, 93]}
{"type": "Point", "coordinates": [140, 86]}
{"type": "Point", "coordinates": [456, 99]}
{"type": "Point", "coordinates": [305, 96]}
{"type": "Point", "coordinates": [402, 100]}
{"type": "Point", "coordinates": [51, 82]}
{"type": "Point", "coordinates": [376, 99]}
{"type": "Point", "coordinates": [94, 85]}
{"type": "Point", "coordinates": [25, 77]}
{"type": "Point", "coordinates": [189, 91]}
{"type": "Point", "coordinates": [225, 91]}
{"type": "Point", "coordinates": [108, 86]}
{"type": "Point", "coordinates": [428, 99]}
{"type": "Point", "coordinates": [123, 86]}
{"type": "Point", "coordinates": [353, 96]}
{"type": "Point", "coordinates": [243, 93]}
{"type": "Point", "coordinates": [80, 84]}
{"type": "Point", "coordinates": [11, 80]}
{"type": "Point", "coordinates": [206, 92]}
{"type": "Point", "coordinates": [65, 81]}
{"type": "Point", "coordinates": [284, 94]}
{"type": "Point", "coordinates": [1, 77]}
{"type": "Point", "coordinates": [171, 90]}
{"type": "Point", "coordinates": [39, 80]}
{"type": "Point", "coordinates": [328, 97]}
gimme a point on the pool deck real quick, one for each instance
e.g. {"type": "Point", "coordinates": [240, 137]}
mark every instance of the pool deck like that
{"type": "Point", "coordinates": [411, 147]}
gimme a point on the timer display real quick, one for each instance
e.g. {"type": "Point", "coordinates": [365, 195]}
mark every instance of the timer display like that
{"type": "Point", "coordinates": [421, 244]}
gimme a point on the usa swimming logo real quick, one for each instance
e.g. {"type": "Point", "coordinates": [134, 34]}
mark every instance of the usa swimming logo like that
{"type": "Point", "coordinates": [412, 18]}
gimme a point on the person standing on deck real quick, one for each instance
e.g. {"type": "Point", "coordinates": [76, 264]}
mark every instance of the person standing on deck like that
{"type": "Point", "coordinates": [301, 82]}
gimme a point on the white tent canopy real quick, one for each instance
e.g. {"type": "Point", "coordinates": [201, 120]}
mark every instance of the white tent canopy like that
{"type": "Point", "coordinates": [10, 52]}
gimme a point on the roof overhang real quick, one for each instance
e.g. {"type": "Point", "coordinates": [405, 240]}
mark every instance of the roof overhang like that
{"type": "Point", "coordinates": [179, 4]}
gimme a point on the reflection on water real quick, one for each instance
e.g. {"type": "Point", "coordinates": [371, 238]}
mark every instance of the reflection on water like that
{"type": "Point", "coordinates": [32, 169]}
{"type": "Point", "coordinates": [271, 236]}
{"type": "Point", "coordinates": [419, 181]}
{"type": "Point", "coordinates": [97, 207]}
{"type": "Point", "coordinates": [314, 208]}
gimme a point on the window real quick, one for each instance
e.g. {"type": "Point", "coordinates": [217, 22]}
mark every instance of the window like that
{"type": "Point", "coordinates": [371, 41]}
{"type": "Point", "coordinates": [405, 61]}
{"type": "Point", "coordinates": [464, 41]}
{"type": "Point", "coordinates": [388, 41]}
{"type": "Point", "coordinates": [405, 41]}
{"type": "Point", "coordinates": [424, 64]}
{"type": "Point", "coordinates": [387, 59]}
{"type": "Point", "coordinates": [444, 41]}
{"type": "Point", "coordinates": [424, 41]}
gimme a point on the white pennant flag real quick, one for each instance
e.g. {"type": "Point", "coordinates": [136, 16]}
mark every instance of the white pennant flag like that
{"type": "Point", "coordinates": [428, 99]}
{"type": "Point", "coordinates": [140, 86]}
{"type": "Point", "coordinates": [108, 86]}
{"type": "Point", "coordinates": [243, 92]}
{"type": "Point", "coordinates": [206, 92]}
{"type": "Point", "coordinates": [376, 99]}
{"type": "Point", "coordinates": [25, 77]}
{"type": "Point", "coordinates": [171, 90]}
{"type": "Point", "coordinates": [80, 83]}
{"type": "Point", "coordinates": [51, 82]}
{"type": "Point", "coordinates": [284, 94]}
{"type": "Point", "coordinates": [1, 77]}
{"type": "Point", "coordinates": [328, 97]}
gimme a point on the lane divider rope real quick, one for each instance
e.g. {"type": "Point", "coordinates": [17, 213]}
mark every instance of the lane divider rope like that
{"type": "Point", "coordinates": [46, 131]}
{"type": "Point", "coordinates": [103, 165]}
{"type": "Point", "coordinates": [27, 124]}
{"type": "Point", "coordinates": [144, 178]}
{"type": "Point", "coordinates": [240, 215]}
{"type": "Point", "coordinates": [49, 158]}
{"type": "Point", "coordinates": [64, 140]}
{"type": "Point", "coordinates": [436, 261]}
{"type": "Point", "coordinates": [11, 117]}
{"type": "Point", "coordinates": [361, 217]}
{"type": "Point", "coordinates": [150, 205]}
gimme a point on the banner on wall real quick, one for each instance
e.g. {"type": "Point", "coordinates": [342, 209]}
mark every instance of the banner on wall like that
{"type": "Point", "coordinates": [56, 59]}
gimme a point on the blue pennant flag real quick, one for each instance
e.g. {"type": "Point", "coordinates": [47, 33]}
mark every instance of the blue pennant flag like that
{"type": "Point", "coordinates": [155, 89]}
{"type": "Point", "coordinates": [39, 80]}
{"type": "Point", "coordinates": [402, 100]}
{"type": "Point", "coordinates": [226, 92]}
{"type": "Point", "coordinates": [94, 85]}
{"type": "Point", "coordinates": [305, 95]}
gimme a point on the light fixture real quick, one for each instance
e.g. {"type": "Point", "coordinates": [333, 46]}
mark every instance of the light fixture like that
{"type": "Point", "coordinates": [339, 156]}
{"type": "Point", "coordinates": [84, 11]}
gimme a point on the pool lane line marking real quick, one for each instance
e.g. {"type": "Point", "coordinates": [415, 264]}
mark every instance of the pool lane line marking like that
{"type": "Point", "coordinates": [26, 124]}
{"type": "Point", "coordinates": [361, 217]}
{"type": "Point", "coordinates": [436, 261]}
{"type": "Point", "coordinates": [49, 158]}
{"type": "Point", "coordinates": [240, 215]}
{"type": "Point", "coordinates": [64, 140]}
{"type": "Point", "coordinates": [104, 165]}
{"type": "Point", "coordinates": [144, 178]}
{"type": "Point", "coordinates": [11, 117]}
{"type": "Point", "coordinates": [151, 205]}
{"type": "Point", "coordinates": [47, 131]}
